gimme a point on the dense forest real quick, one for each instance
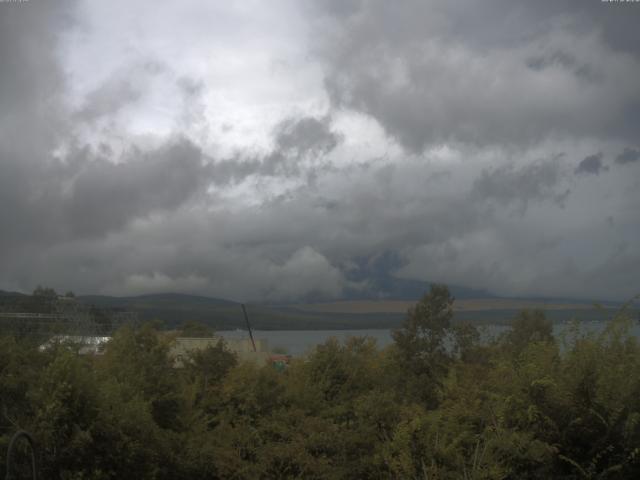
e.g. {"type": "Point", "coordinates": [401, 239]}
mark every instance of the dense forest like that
{"type": "Point", "coordinates": [436, 404]}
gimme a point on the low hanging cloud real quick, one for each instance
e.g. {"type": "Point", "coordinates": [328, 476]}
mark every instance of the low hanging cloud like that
{"type": "Point", "coordinates": [629, 155]}
{"type": "Point", "coordinates": [591, 164]}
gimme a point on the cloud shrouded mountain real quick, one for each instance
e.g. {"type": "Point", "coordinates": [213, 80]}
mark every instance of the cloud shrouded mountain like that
{"type": "Point", "coordinates": [320, 149]}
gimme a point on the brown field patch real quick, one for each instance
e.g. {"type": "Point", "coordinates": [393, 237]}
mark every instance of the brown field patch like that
{"type": "Point", "coordinates": [466, 305]}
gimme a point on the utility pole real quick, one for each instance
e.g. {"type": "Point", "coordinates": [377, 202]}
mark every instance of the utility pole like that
{"type": "Point", "coordinates": [246, 317]}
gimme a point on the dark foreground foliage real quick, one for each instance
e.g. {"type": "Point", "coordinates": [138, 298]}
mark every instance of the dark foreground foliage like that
{"type": "Point", "coordinates": [435, 405]}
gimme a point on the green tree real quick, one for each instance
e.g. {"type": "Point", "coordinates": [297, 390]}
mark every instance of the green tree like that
{"type": "Point", "coordinates": [45, 292]}
{"type": "Point", "coordinates": [207, 368]}
{"type": "Point", "coordinates": [421, 345]}
{"type": "Point", "coordinates": [529, 326]}
{"type": "Point", "coordinates": [191, 328]}
{"type": "Point", "coordinates": [139, 360]}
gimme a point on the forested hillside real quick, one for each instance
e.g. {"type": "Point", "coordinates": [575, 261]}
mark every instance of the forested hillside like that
{"type": "Point", "coordinates": [436, 404]}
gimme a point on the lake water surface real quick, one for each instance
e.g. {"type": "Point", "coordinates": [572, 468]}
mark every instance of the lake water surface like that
{"type": "Point", "coordinates": [300, 342]}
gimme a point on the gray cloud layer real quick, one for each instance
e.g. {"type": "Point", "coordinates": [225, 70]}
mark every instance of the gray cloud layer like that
{"type": "Point", "coordinates": [488, 73]}
{"type": "Point", "coordinates": [458, 141]}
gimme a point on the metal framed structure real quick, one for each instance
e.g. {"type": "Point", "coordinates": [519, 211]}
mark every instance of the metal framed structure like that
{"type": "Point", "coordinates": [32, 316]}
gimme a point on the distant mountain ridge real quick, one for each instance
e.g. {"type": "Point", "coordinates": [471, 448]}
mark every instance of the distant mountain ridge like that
{"type": "Point", "coordinates": [173, 309]}
{"type": "Point", "coordinates": [108, 301]}
{"type": "Point", "coordinates": [4, 293]}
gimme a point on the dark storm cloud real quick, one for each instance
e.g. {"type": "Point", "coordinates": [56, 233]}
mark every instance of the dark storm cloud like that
{"type": "Point", "coordinates": [32, 115]}
{"type": "Point", "coordinates": [90, 195]}
{"type": "Point", "coordinates": [629, 155]}
{"type": "Point", "coordinates": [592, 164]}
{"type": "Point", "coordinates": [298, 140]}
{"type": "Point", "coordinates": [507, 184]}
{"type": "Point", "coordinates": [105, 196]}
{"type": "Point", "coordinates": [292, 245]}
{"type": "Point", "coordinates": [308, 134]}
{"type": "Point", "coordinates": [30, 72]}
{"type": "Point", "coordinates": [432, 72]}
{"type": "Point", "coordinates": [563, 60]}
{"type": "Point", "coordinates": [522, 20]}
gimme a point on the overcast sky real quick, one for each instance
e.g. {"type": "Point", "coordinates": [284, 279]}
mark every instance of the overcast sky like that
{"type": "Point", "coordinates": [277, 150]}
